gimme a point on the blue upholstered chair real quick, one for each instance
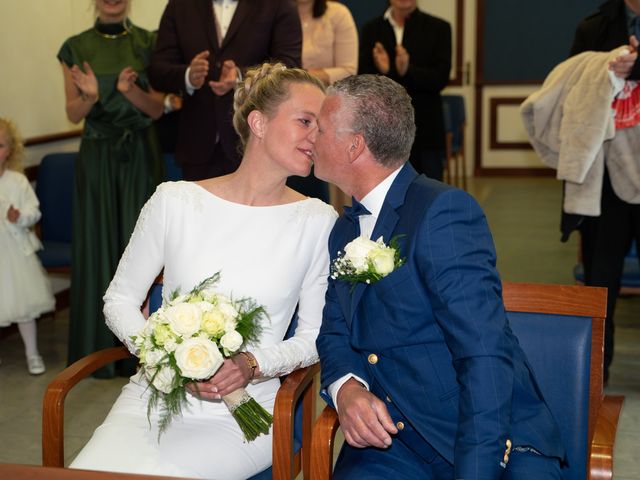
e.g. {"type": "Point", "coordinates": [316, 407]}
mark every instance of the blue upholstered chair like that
{"type": "Point", "coordinates": [174, 171]}
{"type": "Point", "coordinates": [630, 280]}
{"type": "Point", "coordinates": [561, 329]}
{"type": "Point", "coordinates": [54, 189]}
{"type": "Point", "coordinates": [455, 119]}
{"type": "Point", "coordinates": [295, 400]}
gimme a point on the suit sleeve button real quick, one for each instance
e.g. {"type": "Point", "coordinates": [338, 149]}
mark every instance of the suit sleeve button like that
{"type": "Point", "coordinates": [372, 358]}
{"type": "Point", "coordinates": [400, 425]}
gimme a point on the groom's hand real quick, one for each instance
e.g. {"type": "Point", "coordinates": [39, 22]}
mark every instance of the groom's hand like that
{"type": "Point", "coordinates": [364, 418]}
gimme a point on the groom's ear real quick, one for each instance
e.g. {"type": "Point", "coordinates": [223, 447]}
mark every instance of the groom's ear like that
{"type": "Point", "coordinates": [357, 146]}
{"type": "Point", "coordinates": [255, 120]}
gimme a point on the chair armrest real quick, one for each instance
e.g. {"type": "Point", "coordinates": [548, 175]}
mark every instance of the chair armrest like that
{"type": "Point", "coordinates": [324, 435]}
{"type": "Point", "coordinates": [53, 403]}
{"type": "Point", "coordinates": [604, 436]}
{"type": "Point", "coordinates": [299, 383]}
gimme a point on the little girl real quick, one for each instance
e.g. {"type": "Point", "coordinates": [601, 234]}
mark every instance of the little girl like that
{"type": "Point", "coordinates": [25, 292]}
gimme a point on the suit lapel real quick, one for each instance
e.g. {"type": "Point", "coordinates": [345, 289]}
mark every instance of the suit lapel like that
{"type": "Point", "coordinates": [242, 10]}
{"type": "Point", "coordinates": [205, 8]}
{"type": "Point", "coordinates": [387, 220]}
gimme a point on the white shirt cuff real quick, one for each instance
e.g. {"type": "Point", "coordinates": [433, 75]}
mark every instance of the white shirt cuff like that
{"type": "Point", "coordinates": [335, 387]}
{"type": "Point", "coordinates": [190, 88]}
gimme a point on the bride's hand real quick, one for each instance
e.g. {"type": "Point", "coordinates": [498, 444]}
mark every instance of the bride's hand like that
{"type": "Point", "coordinates": [234, 373]}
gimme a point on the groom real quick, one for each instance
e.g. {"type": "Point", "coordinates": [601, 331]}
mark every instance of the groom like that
{"type": "Point", "coordinates": [422, 367]}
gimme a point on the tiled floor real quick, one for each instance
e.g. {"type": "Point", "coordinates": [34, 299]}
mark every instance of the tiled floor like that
{"type": "Point", "coordinates": [524, 217]}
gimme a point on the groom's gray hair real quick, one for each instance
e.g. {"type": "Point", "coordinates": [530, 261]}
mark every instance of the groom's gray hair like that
{"type": "Point", "coordinates": [381, 110]}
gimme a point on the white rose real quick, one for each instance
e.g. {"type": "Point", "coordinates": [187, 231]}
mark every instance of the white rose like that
{"type": "Point", "coordinates": [231, 341]}
{"type": "Point", "coordinates": [357, 251]}
{"type": "Point", "coordinates": [213, 323]}
{"type": "Point", "coordinates": [198, 358]}
{"type": "Point", "coordinates": [163, 381]}
{"type": "Point", "coordinates": [383, 260]}
{"type": "Point", "coordinates": [153, 357]}
{"type": "Point", "coordinates": [227, 309]}
{"type": "Point", "coordinates": [184, 318]}
{"type": "Point", "coordinates": [205, 306]}
{"type": "Point", "coordinates": [170, 345]}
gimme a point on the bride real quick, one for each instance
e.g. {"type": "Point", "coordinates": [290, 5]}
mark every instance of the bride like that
{"type": "Point", "coordinates": [268, 242]}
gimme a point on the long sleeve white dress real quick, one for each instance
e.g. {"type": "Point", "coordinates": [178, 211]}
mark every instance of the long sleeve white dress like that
{"type": "Point", "coordinates": [25, 291]}
{"type": "Point", "coordinates": [276, 255]}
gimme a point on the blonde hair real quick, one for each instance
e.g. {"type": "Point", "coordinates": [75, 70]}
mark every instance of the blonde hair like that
{"type": "Point", "coordinates": [264, 88]}
{"type": "Point", "coordinates": [14, 161]}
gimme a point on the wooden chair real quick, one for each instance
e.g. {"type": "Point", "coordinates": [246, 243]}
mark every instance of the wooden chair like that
{"type": "Point", "coordinates": [455, 122]}
{"type": "Point", "coordinates": [291, 443]}
{"type": "Point", "coordinates": [561, 330]}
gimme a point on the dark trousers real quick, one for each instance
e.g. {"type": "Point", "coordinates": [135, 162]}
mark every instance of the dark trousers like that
{"type": "Point", "coordinates": [606, 240]}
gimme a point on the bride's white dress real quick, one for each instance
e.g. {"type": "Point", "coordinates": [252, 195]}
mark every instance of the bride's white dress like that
{"type": "Point", "coordinates": [278, 256]}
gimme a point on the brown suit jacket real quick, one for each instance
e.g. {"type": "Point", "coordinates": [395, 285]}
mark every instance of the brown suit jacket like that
{"type": "Point", "coordinates": [261, 30]}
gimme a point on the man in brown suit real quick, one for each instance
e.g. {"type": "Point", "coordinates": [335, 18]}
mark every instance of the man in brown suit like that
{"type": "Point", "coordinates": [202, 48]}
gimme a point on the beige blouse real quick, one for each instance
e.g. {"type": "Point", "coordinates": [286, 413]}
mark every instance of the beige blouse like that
{"type": "Point", "coordinates": [330, 42]}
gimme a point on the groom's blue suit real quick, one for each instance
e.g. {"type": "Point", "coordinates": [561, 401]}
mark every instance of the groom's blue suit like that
{"type": "Point", "coordinates": [432, 339]}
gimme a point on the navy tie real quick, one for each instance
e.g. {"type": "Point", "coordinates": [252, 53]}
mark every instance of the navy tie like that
{"type": "Point", "coordinates": [355, 210]}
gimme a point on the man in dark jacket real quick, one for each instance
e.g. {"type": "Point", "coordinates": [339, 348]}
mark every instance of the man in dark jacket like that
{"type": "Point", "coordinates": [606, 239]}
{"type": "Point", "coordinates": [414, 49]}
{"type": "Point", "coordinates": [202, 48]}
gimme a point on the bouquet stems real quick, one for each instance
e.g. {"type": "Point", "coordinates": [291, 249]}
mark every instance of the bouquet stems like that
{"type": "Point", "coordinates": [252, 418]}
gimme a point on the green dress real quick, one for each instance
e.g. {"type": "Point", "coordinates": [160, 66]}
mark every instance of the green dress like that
{"type": "Point", "coordinates": [118, 168]}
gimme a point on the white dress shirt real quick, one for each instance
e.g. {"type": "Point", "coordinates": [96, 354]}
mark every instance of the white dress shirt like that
{"type": "Point", "coordinates": [398, 30]}
{"type": "Point", "coordinates": [223, 11]}
{"type": "Point", "coordinates": [372, 201]}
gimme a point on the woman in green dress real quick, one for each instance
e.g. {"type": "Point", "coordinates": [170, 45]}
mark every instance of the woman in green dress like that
{"type": "Point", "coordinates": [119, 163]}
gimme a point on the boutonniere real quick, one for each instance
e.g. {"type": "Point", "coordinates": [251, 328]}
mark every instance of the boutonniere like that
{"type": "Point", "coordinates": [364, 260]}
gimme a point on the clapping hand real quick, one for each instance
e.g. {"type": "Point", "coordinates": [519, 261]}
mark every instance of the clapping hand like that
{"type": "Point", "coordinates": [622, 65]}
{"type": "Point", "coordinates": [126, 80]}
{"type": "Point", "coordinates": [199, 69]}
{"type": "Point", "coordinates": [381, 58]}
{"type": "Point", "coordinates": [402, 60]}
{"type": "Point", "coordinates": [364, 418]}
{"type": "Point", "coordinates": [86, 82]}
{"type": "Point", "coordinates": [228, 78]}
{"type": "Point", "coordinates": [13, 214]}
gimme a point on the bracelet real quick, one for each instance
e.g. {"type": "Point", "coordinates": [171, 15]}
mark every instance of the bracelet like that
{"type": "Point", "coordinates": [251, 361]}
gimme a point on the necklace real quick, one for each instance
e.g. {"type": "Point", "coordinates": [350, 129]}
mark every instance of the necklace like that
{"type": "Point", "coordinates": [112, 30]}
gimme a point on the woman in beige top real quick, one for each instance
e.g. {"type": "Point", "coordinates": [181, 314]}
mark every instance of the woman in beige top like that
{"type": "Point", "coordinates": [330, 53]}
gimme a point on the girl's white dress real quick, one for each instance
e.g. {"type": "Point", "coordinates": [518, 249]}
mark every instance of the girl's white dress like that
{"type": "Point", "coordinates": [276, 255]}
{"type": "Point", "coordinates": [25, 291]}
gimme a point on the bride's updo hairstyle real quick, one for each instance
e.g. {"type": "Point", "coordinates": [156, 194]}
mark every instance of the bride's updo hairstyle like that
{"type": "Point", "coordinates": [264, 88]}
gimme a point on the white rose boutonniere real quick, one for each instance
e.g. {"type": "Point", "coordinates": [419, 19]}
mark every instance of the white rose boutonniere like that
{"type": "Point", "coordinates": [366, 261]}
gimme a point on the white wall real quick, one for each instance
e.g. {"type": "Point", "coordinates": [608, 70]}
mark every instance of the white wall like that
{"type": "Point", "coordinates": [32, 32]}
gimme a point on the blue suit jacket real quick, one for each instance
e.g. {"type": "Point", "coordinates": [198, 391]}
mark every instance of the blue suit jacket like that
{"type": "Point", "coordinates": [446, 355]}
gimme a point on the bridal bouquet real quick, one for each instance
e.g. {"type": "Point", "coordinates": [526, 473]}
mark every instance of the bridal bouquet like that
{"type": "Point", "coordinates": [187, 339]}
{"type": "Point", "coordinates": [364, 260]}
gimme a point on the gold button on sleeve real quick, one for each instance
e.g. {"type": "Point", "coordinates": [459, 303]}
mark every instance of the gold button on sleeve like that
{"type": "Point", "coordinates": [400, 425]}
{"type": "Point", "coordinates": [372, 358]}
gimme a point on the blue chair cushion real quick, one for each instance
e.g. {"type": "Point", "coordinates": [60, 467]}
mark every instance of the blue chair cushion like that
{"type": "Point", "coordinates": [54, 189]}
{"type": "Point", "coordinates": [174, 171]}
{"type": "Point", "coordinates": [558, 349]}
{"type": "Point", "coordinates": [455, 105]}
{"type": "Point", "coordinates": [55, 254]}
